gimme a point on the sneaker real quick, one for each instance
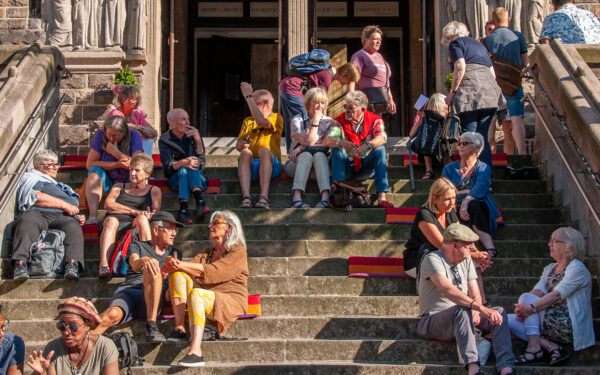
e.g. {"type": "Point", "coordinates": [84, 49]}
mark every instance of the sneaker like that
{"type": "Point", "coordinates": [191, 360]}
{"type": "Point", "coordinates": [201, 210]}
{"type": "Point", "coordinates": [20, 271]}
{"type": "Point", "coordinates": [72, 270]}
{"type": "Point", "coordinates": [183, 217]}
{"type": "Point", "coordinates": [153, 334]}
{"type": "Point", "coordinates": [177, 336]}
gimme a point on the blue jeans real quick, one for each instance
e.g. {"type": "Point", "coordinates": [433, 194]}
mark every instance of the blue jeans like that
{"type": "Point", "coordinates": [479, 121]}
{"type": "Point", "coordinates": [374, 164]}
{"type": "Point", "coordinates": [291, 106]}
{"type": "Point", "coordinates": [185, 180]}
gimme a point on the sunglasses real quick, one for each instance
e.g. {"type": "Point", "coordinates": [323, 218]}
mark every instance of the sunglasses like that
{"type": "Point", "coordinates": [72, 327]}
{"type": "Point", "coordinates": [465, 143]}
{"type": "Point", "coordinates": [456, 276]}
{"type": "Point", "coordinates": [217, 221]}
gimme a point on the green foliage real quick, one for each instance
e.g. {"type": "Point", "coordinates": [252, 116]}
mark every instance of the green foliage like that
{"type": "Point", "coordinates": [448, 83]}
{"type": "Point", "coordinates": [126, 77]}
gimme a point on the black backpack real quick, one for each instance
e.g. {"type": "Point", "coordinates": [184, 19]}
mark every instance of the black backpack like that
{"type": "Point", "coordinates": [347, 194]}
{"type": "Point", "coordinates": [47, 255]}
{"type": "Point", "coordinates": [128, 350]}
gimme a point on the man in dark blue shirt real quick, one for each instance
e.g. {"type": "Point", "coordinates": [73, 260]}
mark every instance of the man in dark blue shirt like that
{"type": "Point", "coordinates": [45, 204]}
{"type": "Point", "coordinates": [509, 45]}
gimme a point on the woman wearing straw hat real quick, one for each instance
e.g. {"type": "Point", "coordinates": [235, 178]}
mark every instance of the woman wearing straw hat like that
{"type": "Point", "coordinates": [77, 351]}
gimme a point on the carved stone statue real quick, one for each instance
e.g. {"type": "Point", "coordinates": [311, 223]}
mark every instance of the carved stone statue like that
{"type": "Point", "coordinates": [85, 24]}
{"type": "Point", "coordinates": [135, 31]}
{"type": "Point", "coordinates": [533, 17]}
{"type": "Point", "coordinates": [58, 18]}
{"type": "Point", "coordinates": [112, 25]}
{"type": "Point", "coordinates": [455, 11]}
{"type": "Point", "coordinates": [513, 7]}
{"type": "Point", "coordinates": [477, 13]}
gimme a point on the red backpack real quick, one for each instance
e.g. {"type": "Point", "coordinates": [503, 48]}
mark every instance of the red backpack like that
{"type": "Point", "coordinates": [118, 263]}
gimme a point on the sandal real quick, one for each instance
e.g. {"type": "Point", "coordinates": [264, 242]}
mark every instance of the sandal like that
{"type": "Point", "coordinates": [538, 358]}
{"type": "Point", "coordinates": [91, 221]}
{"type": "Point", "coordinates": [246, 202]}
{"type": "Point", "coordinates": [322, 204]}
{"type": "Point", "coordinates": [263, 202]}
{"type": "Point", "coordinates": [558, 357]}
{"type": "Point", "coordinates": [103, 272]}
{"type": "Point", "coordinates": [428, 175]}
{"type": "Point", "coordinates": [299, 204]}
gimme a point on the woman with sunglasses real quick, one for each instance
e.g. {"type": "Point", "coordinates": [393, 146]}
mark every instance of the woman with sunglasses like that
{"type": "Point", "coordinates": [128, 99]}
{"type": "Point", "coordinates": [77, 351]}
{"type": "Point", "coordinates": [214, 285]}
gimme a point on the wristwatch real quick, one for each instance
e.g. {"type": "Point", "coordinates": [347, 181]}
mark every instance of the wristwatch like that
{"type": "Point", "coordinates": [249, 96]}
{"type": "Point", "coordinates": [533, 308]}
{"type": "Point", "coordinates": [370, 145]}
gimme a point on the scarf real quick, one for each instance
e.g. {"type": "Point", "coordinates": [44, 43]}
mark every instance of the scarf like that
{"type": "Point", "coordinates": [26, 196]}
{"type": "Point", "coordinates": [368, 121]}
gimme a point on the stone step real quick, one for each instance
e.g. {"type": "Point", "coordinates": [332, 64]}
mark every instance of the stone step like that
{"type": "Point", "coordinates": [400, 351]}
{"type": "Point", "coordinates": [264, 285]}
{"type": "Point", "coordinates": [332, 306]}
{"type": "Point", "coordinates": [528, 232]}
{"type": "Point", "coordinates": [373, 216]}
{"type": "Point", "coordinates": [317, 266]}
{"type": "Point", "coordinates": [397, 186]}
{"type": "Point", "coordinates": [284, 200]}
{"type": "Point", "coordinates": [271, 327]}
{"type": "Point", "coordinates": [74, 176]}
{"type": "Point", "coordinates": [348, 367]}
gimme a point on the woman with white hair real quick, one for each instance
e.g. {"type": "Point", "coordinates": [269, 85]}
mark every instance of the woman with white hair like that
{"type": "Point", "coordinates": [558, 310]}
{"type": "Point", "coordinates": [214, 285]}
{"type": "Point", "coordinates": [474, 95]}
{"type": "Point", "coordinates": [309, 148]}
{"type": "Point", "coordinates": [473, 179]}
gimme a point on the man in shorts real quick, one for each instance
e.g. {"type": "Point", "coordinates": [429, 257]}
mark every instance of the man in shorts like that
{"type": "Point", "coordinates": [259, 144]}
{"type": "Point", "coordinates": [140, 297]}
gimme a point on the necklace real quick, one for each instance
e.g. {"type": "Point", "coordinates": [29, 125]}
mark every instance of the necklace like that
{"type": "Point", "coordinates": [75, 370]}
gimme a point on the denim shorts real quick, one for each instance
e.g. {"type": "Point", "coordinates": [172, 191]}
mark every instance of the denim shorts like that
{"type": "Point", "coordinates": [515, 106]}
{"type": "Point", "coordinates": [276, 168]}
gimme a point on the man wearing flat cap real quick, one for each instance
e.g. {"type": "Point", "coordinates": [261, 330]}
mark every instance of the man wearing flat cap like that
{"type": "Point", "coordinates": [141, 294]}
{"type": "Point", "coordinates": [450, 302]}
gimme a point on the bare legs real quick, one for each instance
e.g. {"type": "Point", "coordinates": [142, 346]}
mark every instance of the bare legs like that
{"type": "Point", "coordinates": [93, 194]}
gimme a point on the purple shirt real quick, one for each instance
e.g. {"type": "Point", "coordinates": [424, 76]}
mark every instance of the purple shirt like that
{"type": "Point", "coordinates": [293, 85]}
{"type": "Point", "coordinates": [372, 67]}
{"type": "Point", "coordinates": [118, 174]}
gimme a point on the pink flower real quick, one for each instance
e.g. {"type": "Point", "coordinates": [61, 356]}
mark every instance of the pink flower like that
{"type": "Point", "coordinates": [117, 88]}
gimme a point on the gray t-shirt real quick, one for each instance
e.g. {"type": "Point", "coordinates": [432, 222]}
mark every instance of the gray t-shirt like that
{"type": "Point", "coordinates": [431, 299]}
{"type": "Point", "coordinates": [104, 353]}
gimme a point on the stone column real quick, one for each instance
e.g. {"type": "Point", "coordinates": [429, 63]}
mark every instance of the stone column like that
{"type": "Point", "coordinates": [298, 30]}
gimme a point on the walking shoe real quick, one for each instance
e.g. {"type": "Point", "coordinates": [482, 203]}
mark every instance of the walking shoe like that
{"type": "Point", "coordinates": [201, 210]}
{"type": "Point", "coordinates": [20, 271]}
{"type": "Point", "coordinates": [153, 334]}
{"type": "Point", "coordinates": [384, 204]}
{"type": "Point", "coordinates": [72, 270]}
{"type": "Point", "coordinates": [191, 360]}
{"type": "Point", "coordinates": [183, 217]}
{"type": "Point", "coordinates": [177, 336]}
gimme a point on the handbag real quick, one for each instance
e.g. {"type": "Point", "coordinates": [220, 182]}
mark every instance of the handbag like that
{"type": "Point", "coordinates": [508, 74]}
{"type": "Point", "coordinates": [347, 194]}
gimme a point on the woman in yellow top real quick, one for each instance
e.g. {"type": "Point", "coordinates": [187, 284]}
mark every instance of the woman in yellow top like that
{"type": "Point", "coordinates": [259, 144]}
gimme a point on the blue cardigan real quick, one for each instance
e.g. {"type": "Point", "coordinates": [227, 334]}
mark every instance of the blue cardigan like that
{"type": "Point", "coordinates": [481, 188]}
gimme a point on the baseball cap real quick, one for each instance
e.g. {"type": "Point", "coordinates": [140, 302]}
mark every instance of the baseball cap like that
{"type": "Point", "coordinates": [166, 216]}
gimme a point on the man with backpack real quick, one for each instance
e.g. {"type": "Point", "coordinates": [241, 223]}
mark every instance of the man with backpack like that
{"type": "Point", "coordinates": [304, 72]}
{"type": "Point", "coordinates": [141, 295]}
{"type": "Point", "coordinates": [44, 204]}
{"type": "Point", "coordinates": [508, 51]}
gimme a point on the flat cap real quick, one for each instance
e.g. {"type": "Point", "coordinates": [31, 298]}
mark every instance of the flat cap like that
{"type": "Point", "coordinates": [459, 232]}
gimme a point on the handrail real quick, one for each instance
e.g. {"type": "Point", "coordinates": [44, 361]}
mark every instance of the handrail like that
{"type": "Point", "coordinates": [12, 185]}
{"type": "Point", "coordinates": [563, 159]}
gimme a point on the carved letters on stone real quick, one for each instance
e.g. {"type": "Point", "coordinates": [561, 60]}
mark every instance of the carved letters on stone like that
{"type": "Point", "coordinates": [97, 24]}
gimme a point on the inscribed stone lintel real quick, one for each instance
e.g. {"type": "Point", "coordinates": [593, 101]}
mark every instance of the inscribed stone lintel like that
{"type": "Point", "coordinates": [376, 9]}
{"type": "Point", "coordinates": [221, 9]}
{"type": "Point", "coordinates": [332, 9]}
{"type": "Point", "coordinates": [261, 9]}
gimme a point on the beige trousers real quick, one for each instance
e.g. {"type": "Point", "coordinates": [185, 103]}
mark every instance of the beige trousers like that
{"type": "Point", "coordinates": [300, 170]}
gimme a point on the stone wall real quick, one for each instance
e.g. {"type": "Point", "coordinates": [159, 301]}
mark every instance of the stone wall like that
{"type": "Point", "coordinates": [19, 24]}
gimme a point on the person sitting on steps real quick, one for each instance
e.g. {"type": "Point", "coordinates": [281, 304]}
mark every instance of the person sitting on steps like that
{"type": "Point", "coordinates": [183, 159]}
{"type": "Point", "coordinates": [259, 144]}
{"type": "Point", "coordinates": [140, 296]}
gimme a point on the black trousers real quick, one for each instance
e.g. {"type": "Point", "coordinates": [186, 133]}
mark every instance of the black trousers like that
{"type": "Point", "coordinates": [30, 224]}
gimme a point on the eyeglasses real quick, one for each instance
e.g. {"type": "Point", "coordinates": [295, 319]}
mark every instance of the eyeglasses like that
{"type": "Point", "coordinates": [72, 327]}
{"type": "Point", "coordinates": [4, 326]}
{"type": "Point", "coordinates": [217, 221]}
{"type": "Point", "coordinates": [464, 143]}
{"type": "Point", "coordinates": [170, 230]}
{"type": "Point", "coordinates": [50, 165]}
{"type": "Point", "coordinates": [456, 276]}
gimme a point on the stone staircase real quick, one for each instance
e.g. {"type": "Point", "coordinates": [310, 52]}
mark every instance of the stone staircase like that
{"type": "Point", "coordinates": [315, 319]}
